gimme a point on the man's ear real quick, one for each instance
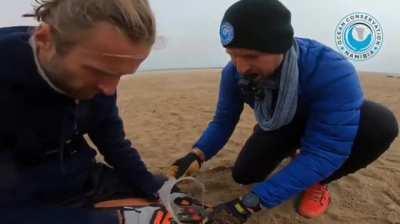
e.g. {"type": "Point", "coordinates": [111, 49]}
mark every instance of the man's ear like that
{"type": "Point", "coordinates": [44, 38]}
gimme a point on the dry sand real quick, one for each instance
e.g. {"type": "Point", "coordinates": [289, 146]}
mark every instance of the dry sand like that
{"type": "Point", "coordinates": [165, 113]}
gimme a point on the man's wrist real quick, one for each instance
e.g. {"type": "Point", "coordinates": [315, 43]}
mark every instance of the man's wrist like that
{"type": "Point", "coordinates": [251, 201]}
{"type": "Point", "coordinates": [199, 154]}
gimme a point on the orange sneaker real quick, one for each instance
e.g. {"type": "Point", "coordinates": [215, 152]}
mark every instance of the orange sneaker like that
{"type": "Point", "coordinates": [315, 201]}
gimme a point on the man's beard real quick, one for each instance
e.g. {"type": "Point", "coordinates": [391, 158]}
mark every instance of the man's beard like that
{"type": "Point", "coordinates": [251, 88]}
{"type": "Point", "coordinates": [53, 75]}
{"type": "Point", "coordinates": [57, 78]}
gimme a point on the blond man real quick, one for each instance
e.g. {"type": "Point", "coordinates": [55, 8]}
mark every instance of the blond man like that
{"type": "Point", "coordinates": [58, 83]}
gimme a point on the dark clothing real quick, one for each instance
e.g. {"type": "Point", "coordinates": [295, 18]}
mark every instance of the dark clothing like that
{"type": "Point", "coordinates": [98, 183]}
{"type": "Point", "coordinates": [264, 151]}
{"type": "Point", "coordinates": [44, 157]}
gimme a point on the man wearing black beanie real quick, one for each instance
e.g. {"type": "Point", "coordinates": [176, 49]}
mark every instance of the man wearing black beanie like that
{"type": "Point", "coordinates": [305, 96]}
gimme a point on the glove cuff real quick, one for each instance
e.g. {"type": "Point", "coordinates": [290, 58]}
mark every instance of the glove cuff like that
{"type": "Point", "coordinates": [199, 153]}
{"type": "Point", "coordinates": [239, 210]}
{"type": "Point", "coordinates": [196, 157]}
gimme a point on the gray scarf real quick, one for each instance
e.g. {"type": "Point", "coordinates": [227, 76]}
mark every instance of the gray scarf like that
{"type": "Point", "coordinates": [286, 104]}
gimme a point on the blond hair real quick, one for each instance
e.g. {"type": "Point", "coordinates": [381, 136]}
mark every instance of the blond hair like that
{"type": "Point", "coordinates": [69, 17]}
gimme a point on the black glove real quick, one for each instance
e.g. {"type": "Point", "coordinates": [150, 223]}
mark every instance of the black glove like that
{"type": "Point", "coordinates": [185, 166]}
{"type": "Point", "coordinates": [236, 211]}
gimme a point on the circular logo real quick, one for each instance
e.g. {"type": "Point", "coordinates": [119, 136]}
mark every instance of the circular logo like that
{"type": "Point", "coordinates": [226, 33]}
{"type": "Point", "coordinates": [359, 36]}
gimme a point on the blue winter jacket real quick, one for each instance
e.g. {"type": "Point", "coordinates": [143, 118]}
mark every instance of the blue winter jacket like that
{"type": "Point", "coordinates": [42, 130]}
{"type": "Point", "coordinates": [330, 91]}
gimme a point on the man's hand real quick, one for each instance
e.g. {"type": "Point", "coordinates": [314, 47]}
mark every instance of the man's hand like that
{"type": "Point", "coordinates": [236, 211]}
{"type": "Point", "coordinates": [187, 165]}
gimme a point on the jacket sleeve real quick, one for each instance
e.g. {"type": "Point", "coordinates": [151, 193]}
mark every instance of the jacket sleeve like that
{"type": "Point", "coordinates": [109, 137]}
{"type": "Point", "coordinates": [227, 115]}
{"type": "Point", "coordinates": [57, 215]}
{"type": "Point", "coordinates": [335, 99]}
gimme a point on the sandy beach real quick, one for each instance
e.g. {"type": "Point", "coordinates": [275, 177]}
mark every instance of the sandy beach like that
{"type": "Point", "coordinates": [165, 112]}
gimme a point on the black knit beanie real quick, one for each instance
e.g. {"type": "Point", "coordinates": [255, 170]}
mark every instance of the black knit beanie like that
{"type": "Point", "coordinates": [262, 25]}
